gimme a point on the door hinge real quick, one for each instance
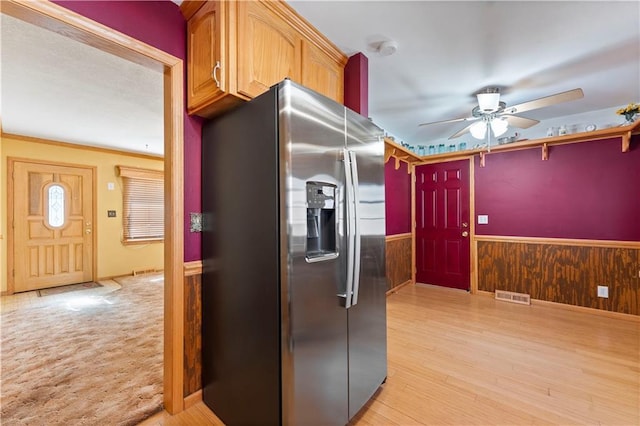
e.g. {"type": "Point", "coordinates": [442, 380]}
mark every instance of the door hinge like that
{"type": "Point", "coordinates": [13, 273]}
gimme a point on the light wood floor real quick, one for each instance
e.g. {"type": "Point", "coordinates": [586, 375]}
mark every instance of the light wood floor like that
{"type": "Point", "coordinates": [460, 359]}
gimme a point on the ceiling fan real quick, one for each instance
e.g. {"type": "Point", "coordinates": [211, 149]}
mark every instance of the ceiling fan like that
{"type": "Point", "coordinates": [496, 115]}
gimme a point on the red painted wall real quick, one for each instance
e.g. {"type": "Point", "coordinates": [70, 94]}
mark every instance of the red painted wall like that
{"type": "Point", "coordinates": [159, 24]}
{"type": "Point", "coordinates": [588, 190]}
{"type": "Point", "coordinates": [397, 182]}
{"type": "Point", "coordinates": [356, 84]}
{"type": "Point", "coordinates": [398, 198]}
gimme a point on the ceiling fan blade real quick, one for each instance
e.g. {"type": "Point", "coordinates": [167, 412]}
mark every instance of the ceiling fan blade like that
{"type": "Point", "coordinates": [520, 122]}
{"type": "Point", "coordinates": [461, 132]}
{"type": "Point", "coordinates": [569, 95]}
{"type": "Point", "coordinates": [455, 120]}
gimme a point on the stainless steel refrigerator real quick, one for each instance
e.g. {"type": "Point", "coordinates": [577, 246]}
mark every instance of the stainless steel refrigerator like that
{"type": "Point", "coordinates": [293, 287]}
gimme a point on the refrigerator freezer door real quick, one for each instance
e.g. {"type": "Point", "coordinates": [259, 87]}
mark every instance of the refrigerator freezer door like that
{"type": "Point", "coordinates": [241, 277]}
{"type": "Point", "coordinates": [314, 321]}
{"type": "Point", "coordinates": [367, 318]}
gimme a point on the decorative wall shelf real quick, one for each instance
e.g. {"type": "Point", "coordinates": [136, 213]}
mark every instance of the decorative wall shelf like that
{"type": "Point", "coordinates": [623, 132]}
{"type": "Point", "coordinates": [400, 153]}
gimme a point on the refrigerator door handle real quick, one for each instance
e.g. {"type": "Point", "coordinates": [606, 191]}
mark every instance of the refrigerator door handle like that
{"type": "Point", "coordinates": [356, 221]}
{"type": "Point", "coordinates": [350, 231]}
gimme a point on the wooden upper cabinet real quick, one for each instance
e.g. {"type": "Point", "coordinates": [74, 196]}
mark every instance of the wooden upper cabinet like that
{"type": "Point", "coordinates": [237, 50]}
{"type": "Point", "coordinates": [204, 73]}
{"type": "Point", "coordinates": [270, 49]}
{"type": "Point", "coordinates": [321, 72]}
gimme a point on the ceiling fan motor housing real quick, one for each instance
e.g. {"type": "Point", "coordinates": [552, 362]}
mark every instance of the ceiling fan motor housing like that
{"type": "Point", "coordinates": [489, 101]}
{"type": "Point", "coordinates": [478, 112]}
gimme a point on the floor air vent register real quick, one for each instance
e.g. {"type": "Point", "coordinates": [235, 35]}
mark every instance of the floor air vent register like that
{"type": "Point", "coordinates": [509, 296]}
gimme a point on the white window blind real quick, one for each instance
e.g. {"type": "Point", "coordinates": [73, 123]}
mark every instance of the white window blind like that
{"type": "Point", "coordinates": [143, 204]}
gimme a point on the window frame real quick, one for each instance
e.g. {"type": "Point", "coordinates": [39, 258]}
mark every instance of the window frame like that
{"type": "Point", "coordinates": [138, 176]}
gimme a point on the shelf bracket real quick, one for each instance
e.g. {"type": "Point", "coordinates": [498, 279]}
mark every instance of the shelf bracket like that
{"type": "Point", "coordinates": [397, 166]}
{"type": "Point", "coordinates": [387, 155]}
{"type": "Point", "coordinates": [545, 152]}
{"type": "Point", "coordinates": [626, 141]}
{"type": "Point", "coordinates": [482, 157]}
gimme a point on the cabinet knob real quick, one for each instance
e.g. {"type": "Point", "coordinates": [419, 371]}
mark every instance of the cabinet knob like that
{"type": "Point", "coordinates": [465, 234]}
{"type": "Point", "coordinates": [213, 73]}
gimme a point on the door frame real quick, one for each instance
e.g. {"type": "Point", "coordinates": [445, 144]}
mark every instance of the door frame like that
{"type": "Point", "coordinates": [473, 245]}
{"type": "Point", "coordinates": [56, 18]}
{"type": "Point", "coordinates": [10, 214]}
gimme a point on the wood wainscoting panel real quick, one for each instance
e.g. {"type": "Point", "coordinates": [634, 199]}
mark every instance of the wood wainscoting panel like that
{"type": "Point", "coordinates": [563, 273]}
{"type": "Point", "coordinates": [192, 327]}
{"type": "Point", "coordinates": [508, 266]}
{"type": "Point", "coordinates": [398, 260]}
{"type": "Point", "coordinates": [576, 272]}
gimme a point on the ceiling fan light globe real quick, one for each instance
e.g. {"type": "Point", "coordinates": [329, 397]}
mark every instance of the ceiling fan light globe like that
{"type": "Point", "coordinates": [499, 126]}
{"type": "Point", "coordinates": [478, 130]}
{"type": "Point", "coordinates": [488, 101]}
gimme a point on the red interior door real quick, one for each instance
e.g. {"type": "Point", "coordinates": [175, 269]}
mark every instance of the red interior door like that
{"type": "Point", "coordinates": [442, 224]}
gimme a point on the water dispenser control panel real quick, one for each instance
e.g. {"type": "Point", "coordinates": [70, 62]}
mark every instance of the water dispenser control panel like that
{"type": "Point", "coordinates": [320, 196]}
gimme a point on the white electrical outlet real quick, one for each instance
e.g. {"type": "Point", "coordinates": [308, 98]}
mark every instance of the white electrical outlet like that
{"type": "Point", "coordinates": [483, 219]}
{"type": "Point", "coordinates": [603, 291]}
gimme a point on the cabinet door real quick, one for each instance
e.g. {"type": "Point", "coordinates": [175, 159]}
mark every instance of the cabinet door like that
{"type": "Point", "coordinates": [268, 49]}
{"type": "Point", "coordinates": [321, 73]}
{"type": "Point", "coordinates": [203, 53]}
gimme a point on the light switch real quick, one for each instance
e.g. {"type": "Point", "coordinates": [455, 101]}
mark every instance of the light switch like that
{"type": "Point", "coordinates": [483, 219]}
{"type": "Point", "coordinates": [111, 213]}
{"type": "Point", "coordinates": [111, 186]}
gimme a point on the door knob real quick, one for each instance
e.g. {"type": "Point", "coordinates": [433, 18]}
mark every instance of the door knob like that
{"type": "Point", "coordinates": [88, 231]}
{"type": "Point", "coordinates": [465, 234]}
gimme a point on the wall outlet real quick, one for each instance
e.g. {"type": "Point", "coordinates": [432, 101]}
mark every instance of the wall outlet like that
{"type": "Point", "coordinates": [603, 291]}
{"type": "Point", "coordinates": [111, 213]}
{"type": "Point", "coordinates": [483, 219]}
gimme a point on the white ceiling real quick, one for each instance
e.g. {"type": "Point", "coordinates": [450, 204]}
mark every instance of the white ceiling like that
{"type": "Point", "coordinates": [58, 89]}
{"type": "Point", "coordinates": [450, 50]}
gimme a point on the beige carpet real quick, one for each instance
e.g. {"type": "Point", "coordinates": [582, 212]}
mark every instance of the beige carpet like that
{"type": "Point", "coordinates": [67, 288]}
{"type": "Point", "coordinates": [84, 360]}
